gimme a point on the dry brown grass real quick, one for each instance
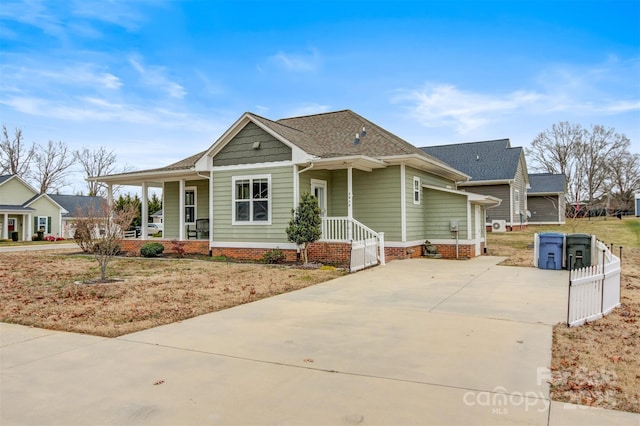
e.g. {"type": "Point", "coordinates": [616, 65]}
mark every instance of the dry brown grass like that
{"type": "Point", "coordinates": [38, 289]}
{"type": "Point", "coordinates": [597, 364]}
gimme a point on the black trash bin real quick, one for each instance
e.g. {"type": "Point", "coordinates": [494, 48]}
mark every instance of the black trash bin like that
{"type": "Point", "coordinates": [14, 236]}
{"type": "Point", "coordinates": [550, 250]}
{"type": "Point", "coordinates": [578, 251]}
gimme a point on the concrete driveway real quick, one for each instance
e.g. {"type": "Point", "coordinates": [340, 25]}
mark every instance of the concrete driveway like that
{"type": "Point", "coordinates": [414, 342]}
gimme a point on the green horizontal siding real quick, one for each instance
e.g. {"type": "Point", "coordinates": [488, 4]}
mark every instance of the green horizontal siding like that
{"type": "Point", "coordinates": [281, 205]}
{"type": "Point", "coordinates": [376, 201]}
{"type": "Point", "coordinates": [440, 209]}
{"type": "Point", "coordinates": [171, 204]}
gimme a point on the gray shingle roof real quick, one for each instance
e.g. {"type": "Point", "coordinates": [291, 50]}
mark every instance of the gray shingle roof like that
{"type": "Point", "coordinates": [328, 135]}
{"type": "Point", "coordinates": [5, 177]}
{"type": "Point", "coordinates": [74, 203]}
{"type": "Point", "coordinates": [544, 183]}
{"type": "Point", "coordinates": [486, 160]}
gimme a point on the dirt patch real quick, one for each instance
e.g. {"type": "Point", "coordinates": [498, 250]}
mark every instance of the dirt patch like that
{"type": "Point", "coordinates": [38, 289]}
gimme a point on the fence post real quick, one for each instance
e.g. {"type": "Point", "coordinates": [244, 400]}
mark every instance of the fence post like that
{"type": "Point", "coordinates": [620, 253]}
{"type": "Point", "coordinates": [569, 297]}
{"type": "Point", "coordinates": [604, 279]}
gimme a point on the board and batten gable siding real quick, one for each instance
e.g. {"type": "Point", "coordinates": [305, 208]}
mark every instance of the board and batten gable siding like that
{"type": "Point", "coordinates": [440, 209]}
{"type": "Point", "coordinates": [240, 149]}
{"type": "Point", "coordinates": [376, 201]}
{"type": "Point", "coordinates": [415, 225]}
{"type": "Point", "coordinates": [281, 199]}
{"type": "Point", "coordinates": [171, 204]}
{"type": "Point", "coordinates": [15, 192]}
{"type": "Point", "coordinates": [45, 207]}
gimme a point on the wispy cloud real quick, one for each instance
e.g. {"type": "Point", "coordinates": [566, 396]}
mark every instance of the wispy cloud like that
{"type": "Point", "coordinates": [596, 90]}
{"type": "Point", "coordinates": [297, 62]}
{"type": "Point", "coordinates": [308, 109]}
{"type": "Point", "coordinates": [154, 76]}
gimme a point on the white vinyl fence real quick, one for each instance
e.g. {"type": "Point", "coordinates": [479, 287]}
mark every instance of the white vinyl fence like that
{"type": "Point", "coordinates": [594, 290]}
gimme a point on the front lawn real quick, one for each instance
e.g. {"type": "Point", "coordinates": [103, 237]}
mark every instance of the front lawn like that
{"type": "Point", "coordinates": [39, 289]}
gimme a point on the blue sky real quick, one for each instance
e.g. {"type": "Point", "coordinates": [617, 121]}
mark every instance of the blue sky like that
{"type": "Point", "coordinates": [157, 81]}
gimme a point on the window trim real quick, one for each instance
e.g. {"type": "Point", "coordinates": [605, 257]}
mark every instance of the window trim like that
{"type": "Point", "coordinates": [269, 199]}
{"type": "Point", "coordinates": [417, 190]}
{"type": "Point", "coordinates": [194, 205]}
{"type": "Point", "coordinates": [46, 223]}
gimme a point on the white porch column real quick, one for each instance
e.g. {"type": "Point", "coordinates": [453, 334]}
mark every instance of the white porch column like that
{"type": "Point", "coordinates": [296, 186]}
{"type": "Point", "coordinates": [26, 225]}
{"type": "Point", "coordinates": [181, 211]}
{"type": "Point", "coordinates": [350, 201]}
{"type": "Point", "coordinates": [5, 227]}
{"type": "Point", "coordinates": [210, 208]}
{"type": "Point", "coordinates": [403, 203]}
{"type": "Point", "coordinates": [144, 210]}
{"type": "Point", "coordinates": [110, 195]}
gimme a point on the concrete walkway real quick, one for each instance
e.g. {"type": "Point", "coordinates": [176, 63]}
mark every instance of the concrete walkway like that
{"type": "Point", "coordinates": [425, 342]}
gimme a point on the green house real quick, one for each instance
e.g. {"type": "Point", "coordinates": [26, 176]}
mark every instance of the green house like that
{"type": "Point", "coordinates": [380, 196]}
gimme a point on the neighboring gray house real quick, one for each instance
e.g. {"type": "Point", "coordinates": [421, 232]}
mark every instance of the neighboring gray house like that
{"type": "Point", "coordinates": [76, 205]}
{"type": "Point", "coordinates": [157, 217]}
{"type": "Point", "coordinates": [546, 198]}
{"type": "Point", "coordinates": [497, 169]}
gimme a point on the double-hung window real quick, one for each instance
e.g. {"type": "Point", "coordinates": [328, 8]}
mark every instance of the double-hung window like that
{"type": "Point", "coordinates": [43, 222]}
{"type": "Point", "coordinates": [416, 190]}
{"type": "Point", "coordinates": [251, 199]}
{"type": "Point", "coordinates": [190, 205]}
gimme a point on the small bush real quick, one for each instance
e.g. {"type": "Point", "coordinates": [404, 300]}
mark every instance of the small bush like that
{"type": "Point", "coordinates": [178, 248]}
{"type": "Point", "coordinates": [273, 256]}
{"type": "Point", "coordinates": [151, 250]}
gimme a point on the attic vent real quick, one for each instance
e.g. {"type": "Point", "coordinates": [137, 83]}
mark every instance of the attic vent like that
{"type": "Point", "coordinates": [362, 134]}
{"type": "Point", "coordinates": [256, 145]}
{"type": "Point", "coordinates": [477, 157]}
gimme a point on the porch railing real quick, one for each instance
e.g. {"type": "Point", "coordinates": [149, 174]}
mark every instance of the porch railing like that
{"type": "Point", "coordinates": [345, 229]}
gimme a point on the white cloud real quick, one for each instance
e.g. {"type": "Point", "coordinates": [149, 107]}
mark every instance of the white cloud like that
{"type": "Point", "coordinates": [438, 105]}
{"type": "Point", "coordinates": [154, 76]}
{"type": "Point", "coordinates": [304, 62]}
{"type": "Point", "coordinates": [308, 109]}
{"type": "Point", "coordinates": [558, 91]}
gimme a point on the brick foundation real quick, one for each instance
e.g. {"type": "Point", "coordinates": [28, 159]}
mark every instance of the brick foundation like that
{"type": "Point", "coordinates": [337, 254]}
{"type": "Point", "coordinates": [190, 247]}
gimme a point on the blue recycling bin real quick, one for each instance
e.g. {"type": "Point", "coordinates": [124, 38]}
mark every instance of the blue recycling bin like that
{"type": "Point", "coordinates": [550, 250]}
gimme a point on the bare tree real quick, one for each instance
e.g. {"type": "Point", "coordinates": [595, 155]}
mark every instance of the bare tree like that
{"type": "Point", "coordinates": [586, 157]}
{"type": "Point", "coordinates": [99, 230]}
{"type": "Point", "coordinates": [96, 163]}
{"type": "Point", "coordinates": [624, 180]}
{"type": "Point", "coordinates": [15, 155]}
{"type": "Point", "coordinates": [51, 165]}
{"type": "Point", "coordinates": [558, 150]}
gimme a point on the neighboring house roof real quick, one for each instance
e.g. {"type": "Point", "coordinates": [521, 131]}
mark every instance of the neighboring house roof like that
{"type": "Point", "coordinates": [483, 161]}
{"type": "Point", "coordinates": [159, 213]}
{"type": "Point", "coordinates": [14, 208]}
{"type": "Point", "coordinates": [321, 137]}
{"type": "Point", "coordinates": [547, 183]}
{"type": "Point", "coordinates": [4, 178]}
{"type": "Point", "coordinates": [75, 203]}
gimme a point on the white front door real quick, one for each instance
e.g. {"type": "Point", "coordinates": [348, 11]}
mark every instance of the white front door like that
{"type": "Point", "coordinates": [319, 190]}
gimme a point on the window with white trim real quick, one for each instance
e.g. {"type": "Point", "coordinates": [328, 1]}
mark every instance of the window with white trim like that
{"type": "Point", "coordinates": [417, 189]}
{"type": "Point", "coordinates": [516, 199]}
{"type": "Point", "coordinates": [251, 200]}
{"type": "Point", "coordinates": [43, 222]}
{"type": "Point", "coordinates": [190, 205]}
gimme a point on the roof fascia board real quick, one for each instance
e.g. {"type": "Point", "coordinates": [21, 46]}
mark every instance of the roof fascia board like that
{"type": "Point", "coordinates": [487, 182]}
{"type": "Point", "coordinates": [471, 196]}
{"type": "Point", "coordinates": [423, 162]}
{"type": "Point", "coordinates": [361, 162]}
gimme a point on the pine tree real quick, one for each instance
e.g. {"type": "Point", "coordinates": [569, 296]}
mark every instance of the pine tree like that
{"type": "Point", "coordinates": [304, 226]}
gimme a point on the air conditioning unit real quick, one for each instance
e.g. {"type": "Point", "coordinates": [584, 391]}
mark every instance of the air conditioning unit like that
{"type": "Point", "coordinates": [499, 226]}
